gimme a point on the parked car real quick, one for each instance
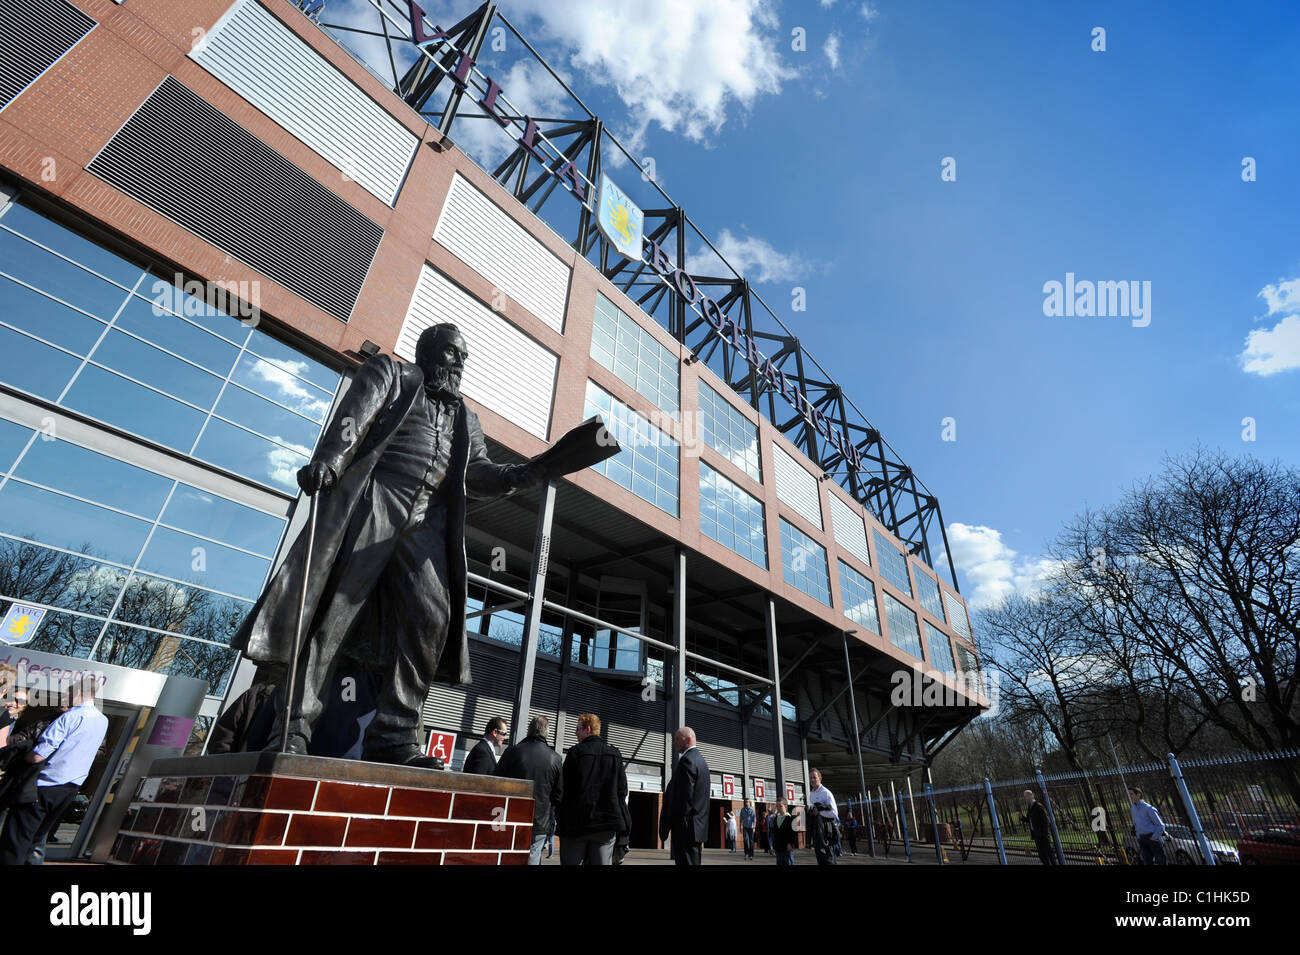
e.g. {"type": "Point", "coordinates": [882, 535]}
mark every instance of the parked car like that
{"type": "Point", "coordinates": [1181, 848]}
{"type": "Point", "coordinates": [1276, 845]}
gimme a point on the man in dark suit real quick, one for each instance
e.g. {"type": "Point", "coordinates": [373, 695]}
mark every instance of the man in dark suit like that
{"type": "Point", "coordinates": [1040, 829]}
{"type": "Point", "coordinates": [482, 759]}
{"type": "Point", "coordinates": [686, 804]}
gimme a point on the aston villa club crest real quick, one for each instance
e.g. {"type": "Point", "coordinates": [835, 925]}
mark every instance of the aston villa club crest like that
{"type": "Point", "coordinates": [620, 220]}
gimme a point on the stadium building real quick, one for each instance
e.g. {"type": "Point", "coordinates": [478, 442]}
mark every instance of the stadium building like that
{"type": "Point", "coordinates": [211, 212]}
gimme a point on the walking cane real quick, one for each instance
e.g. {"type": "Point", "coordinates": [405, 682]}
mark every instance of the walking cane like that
{"type": "Point", "coordinates": [302, 611]}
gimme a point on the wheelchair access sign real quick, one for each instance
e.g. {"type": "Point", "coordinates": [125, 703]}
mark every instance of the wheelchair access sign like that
{"type": "Point", "coordinates": [20, 623]}
{"type": "Point", "coordinates": [441, 745]}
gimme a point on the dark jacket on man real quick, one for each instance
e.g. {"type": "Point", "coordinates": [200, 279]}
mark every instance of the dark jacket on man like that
{"type": "Point", "coordinates": [534, 759]}
{"type": "Point", "coordinates": [1039, 826]}
{"type": "Point", "coordinates": [686, 804]}
{"type": "Point", "coordinates": [482, 759]}
{"type": "Point", "coordinates": [784, 837]}
{"type": "Point", "coordinates": [595, 790]}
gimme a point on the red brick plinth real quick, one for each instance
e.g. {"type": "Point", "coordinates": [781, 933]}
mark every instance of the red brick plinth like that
{"type": "Point", "coordinates": [272, 809]}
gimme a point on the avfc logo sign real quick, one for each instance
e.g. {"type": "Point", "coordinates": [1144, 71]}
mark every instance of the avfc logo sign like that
{"type": "Point", "coordinates": [620, 220]}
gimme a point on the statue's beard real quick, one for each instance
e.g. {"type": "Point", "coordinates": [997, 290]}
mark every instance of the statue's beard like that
{"type": "Point", "coordinates": [443, 382]}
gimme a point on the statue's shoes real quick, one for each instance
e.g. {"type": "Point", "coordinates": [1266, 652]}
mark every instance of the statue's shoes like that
{"type": "Point", "coordinates": [404, 756]}
{"type": "Point", "coordinates": [297, 745]}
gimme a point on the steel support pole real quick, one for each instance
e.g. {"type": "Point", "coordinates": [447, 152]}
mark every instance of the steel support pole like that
{"type": "Point", "coordinates": [679, 638]}
{"type": "Point", "coordinates": [853, 709]}
{"type": "Point", "coordinates": [774, 671]}
{"type": "Point", "coordinates": [1051, 816]}
{"type": "Point", "coordinates": [1192, 816]}
{"type": "Point", "coordinates": [533, 620]}
{"type": "Point", "coordinates": [907, 838]}
{"type": "Point", "coordinates": [934, 823]}
{"type": "Point", "coordinates": [997, 827]}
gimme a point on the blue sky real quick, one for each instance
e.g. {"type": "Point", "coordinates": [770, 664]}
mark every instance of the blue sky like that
{"type": "Point", "coordinates": [821, 169]}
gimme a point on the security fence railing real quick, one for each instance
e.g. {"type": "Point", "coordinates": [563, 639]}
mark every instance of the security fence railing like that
{"type": "Point", "coordinates": [1240, 809]}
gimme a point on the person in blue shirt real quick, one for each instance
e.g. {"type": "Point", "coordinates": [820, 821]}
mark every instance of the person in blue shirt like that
{"type": "Point", "coordinates": [64, 752]}
{"type": "Point", "coordinates": [748, 819]}
{"type": "Point", "coordinates": [1149, 829]}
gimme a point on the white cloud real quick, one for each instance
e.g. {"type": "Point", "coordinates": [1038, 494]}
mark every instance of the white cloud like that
{"type": "Point", "coordinates": [826, 4]}
{"type": "Point", "coordinates": [868, 12]}
{"type": "Point", "coordinates": [679, 65]}
{"type": "Point", "coordinates": [1269, 351]}
{"type": "Point", "coordinates": [832, 50]}
{"type": "Point", "coordinates": [995, 570]}
{"type": "Point", "coordinates": [751, 257]}
{"type": "Point", "coordinates": [291, 391]}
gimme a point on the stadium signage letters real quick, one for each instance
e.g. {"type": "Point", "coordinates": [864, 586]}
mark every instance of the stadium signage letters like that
{"type": "Point", "coordinates": [652, 253]}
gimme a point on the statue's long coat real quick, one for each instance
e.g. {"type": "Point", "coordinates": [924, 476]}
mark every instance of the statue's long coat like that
{"type": "Point", "coordinates": [381, 396]}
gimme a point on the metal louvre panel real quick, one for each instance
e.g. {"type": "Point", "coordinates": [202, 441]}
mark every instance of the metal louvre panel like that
{"type": "Point", "coordinates": [762, 752]}
{"type": "Point", "coordinates": [507, 371]}
{"type": "Point", "coordinates": [267, 64]}
{"type": "Point", "coordinates": [850, 531]}
{"type": "Point", "coordinates": [957, 615]}
{"type": "Point", "coordinates": [796, 487]}
{"type": "Point", "coordinates": [793, 763]}
{"type": "Point", "coordinates": [501, 250]}
{"type": "Point", "coordinates": [466, 709]}
{"type": "Point", "coordinates": [718, 739]}
{"type": "Point", "coordinates": [627, 721]}
{"type": "Point", "coordinates": [34, 34]}
{"type": "Point", "coordinates": [185, 159]}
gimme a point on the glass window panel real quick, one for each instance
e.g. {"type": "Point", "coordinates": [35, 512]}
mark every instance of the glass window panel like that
{"type": "Point", "coordinates": [633, 354]}
{"type": "Point", "coordinates": [204, 563]}
{"type": "Point", "coordinates": [723, 428]}
{"type": "Point", "coordinates": [47, 319]}
{"type": "Point", "coordinates": [292, 360]}
{"type": "Point", "coordinates": [726, 509]}
{"type": "Point", "coordinates": [65, 634]}
{"type": "Point", "coordinates": [859, 595]}
{"type": "Point", "coordinates": [109, 397]}
{"type": "Point", "coordinates": [60, 278]}
{"type": "Point", "coordinates": [53, 519]}
{"type": "Point", "coordinates": [803, 563]}
{"type": "Point", "coordinates": [163, 653]}
{"type": "Point", "coordinates": [166, 296]}
{"type": "Point", "coordinates": [35, 573]}
{"type": "Point", "coordinates": [93, 256]}
{"type": "Point", "coordinates": [260, 415]}
{"type": "Point", "coordinates": [13, 438]}
{"type": "Point", "coordinates": [34, 367]}
{"type": "Point", "coordinates": [957, 615]}
{"type": "Point", "coordinates": [203, 512]}
{"type": "Point", "coordinates": [902, 627]}
{"type": "Point", "coordinates": [927, 591]}
{"type": "Point", "coordinates": [940, 648]}
{"type": "Point", "coordinates": [277, 383]}
{"type": "Point", "coordinates": [648, 462]}
{"type": "Point", "coordinates": [181, 608]}
{"type": "Point", "coordinates": [147, 364]}
{"type": "Point", "coordinates": [177, 335]}
{"type": "Point", "coordinates": [65, 466]}
{"type": "Point", "coordinates": [893, 565]}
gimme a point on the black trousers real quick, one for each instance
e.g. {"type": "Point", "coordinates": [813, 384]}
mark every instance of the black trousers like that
{"type": "Point", "coordinates": [393, 565]}
{"type": "Point", "coordinates": [1046, 851]}
{"type": "Point", "coordinates": [686, 852]}
{"type": "Point", "coordinates": [29, 823]}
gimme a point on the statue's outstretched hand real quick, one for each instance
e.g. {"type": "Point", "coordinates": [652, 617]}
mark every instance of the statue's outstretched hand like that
{"type": "Point", "coordinates": [316, 476]}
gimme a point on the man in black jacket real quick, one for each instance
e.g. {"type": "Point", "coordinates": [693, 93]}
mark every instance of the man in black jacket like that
{"type": "Point", "coordinates": [591, 815]}
{"type": "Point", "coordinates": [534, 759]}
{"type": "Point", "coordinates": [482, 759]}
{"type": "Point", "coordinates": [686, 804]}
{"type": "Point", "coordinates": [1040, 829]}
